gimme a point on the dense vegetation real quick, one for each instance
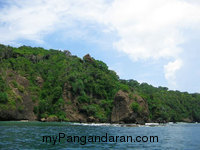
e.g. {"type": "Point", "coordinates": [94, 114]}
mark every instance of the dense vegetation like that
{"type": "Point", "coordinates": [167, 105]}
{"type": "Point", "coordinates": [88, 83]}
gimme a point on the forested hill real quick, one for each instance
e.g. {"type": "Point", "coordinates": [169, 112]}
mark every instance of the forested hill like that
{"type": "Point", "coordinates": [53, 85]}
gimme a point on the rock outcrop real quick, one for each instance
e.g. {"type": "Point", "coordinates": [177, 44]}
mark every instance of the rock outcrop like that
{"type": "Point", "coordinates": [123, 112]}
{"type": "Point", "coordinates": [88, 58]}
{"type": "Point", "coordinates": [23, 108]}
{"type": "Point", "coordinates": [50, 119]}
{"type": "Point", "coordinates": [71, 107]}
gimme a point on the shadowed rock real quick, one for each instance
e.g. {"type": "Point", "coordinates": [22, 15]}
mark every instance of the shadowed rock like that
{"type": "Point", "coordinates": [123, 112]}
{"type": "Point", "coordinates": [87, 57]}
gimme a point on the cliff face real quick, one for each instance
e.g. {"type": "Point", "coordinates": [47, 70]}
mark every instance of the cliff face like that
{"type": "Point", "coordinates": [22, 108]}
{"type": "Point", "coordinates": [71, 106]}
{"type": "Point", "coordinates": [128, 110]}
{"type": "Point", "coordinates": [122, 111]}
{"type": "Point", "coordinates": [53, 85]}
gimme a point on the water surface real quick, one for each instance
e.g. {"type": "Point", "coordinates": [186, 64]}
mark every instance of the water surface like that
{"type": "Point", "coordinates": [29, 135]}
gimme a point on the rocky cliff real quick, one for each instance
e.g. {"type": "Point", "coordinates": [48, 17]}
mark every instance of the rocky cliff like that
{"type": "Point", "coordinates": [129, 109]}
{"type": "Point", "coordinates": [53, 85]}
{"type": "Point", "coordinates": [122, 111]}
{"type": "Point", "coordinates": [22, 108]}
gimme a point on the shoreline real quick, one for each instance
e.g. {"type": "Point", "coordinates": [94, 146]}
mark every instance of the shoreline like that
{"type": "Point", "coordinates": [153, 124]}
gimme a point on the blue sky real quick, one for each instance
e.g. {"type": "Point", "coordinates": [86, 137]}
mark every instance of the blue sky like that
{"type": "Point", "coordinates": [153, 41]}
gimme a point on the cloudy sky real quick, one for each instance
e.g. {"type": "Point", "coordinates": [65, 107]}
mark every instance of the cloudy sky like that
{"type": "Point", "coordinates": [153, 41]}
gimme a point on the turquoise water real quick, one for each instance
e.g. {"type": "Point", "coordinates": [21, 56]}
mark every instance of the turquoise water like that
{"type": "Point", "coordinates": [29, 135]}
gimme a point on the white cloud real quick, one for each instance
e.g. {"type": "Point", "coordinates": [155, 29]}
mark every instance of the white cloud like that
{"type": "Point", "coordinates": [154, 29]}
{"type": "Point", "coordinates": [170, 70]}
{"type": "Point", "coordinates": [148, 29]}
{"type": "Point", "coordinates": [33, 19]}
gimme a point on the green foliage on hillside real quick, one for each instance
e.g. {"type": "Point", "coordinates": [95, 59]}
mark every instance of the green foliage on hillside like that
{"type": "Point", "coordinates": [3, 94]}
{"type": "Point", "coordinates": [136, 107]}
{"type": "Point", "coordinates": [91, 84]}
{"type": "Point", "coordinates": [90, 80]}
{"type": "Point", "coordinates": [166, 105]}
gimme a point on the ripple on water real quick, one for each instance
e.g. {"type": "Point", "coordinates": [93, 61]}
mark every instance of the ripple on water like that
{"type": "Point", "coordinates": [28, 135]}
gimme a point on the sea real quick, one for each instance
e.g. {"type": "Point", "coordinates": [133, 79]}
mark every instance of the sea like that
{"type": "Point", "coordinates": [18, 135]}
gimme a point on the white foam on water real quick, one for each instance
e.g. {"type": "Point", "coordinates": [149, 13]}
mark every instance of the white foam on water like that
{"type": "Point", "coordinates": [119, 125]}
{"type": "Point", "coordinates": [95, 124]}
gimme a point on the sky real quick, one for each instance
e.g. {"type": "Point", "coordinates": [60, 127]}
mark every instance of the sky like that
{"type": "Point", "coordinates": [152, 41]}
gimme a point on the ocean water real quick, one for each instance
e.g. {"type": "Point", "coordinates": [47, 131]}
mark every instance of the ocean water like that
{"type": "Point", "coordinates": [30, 135]}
